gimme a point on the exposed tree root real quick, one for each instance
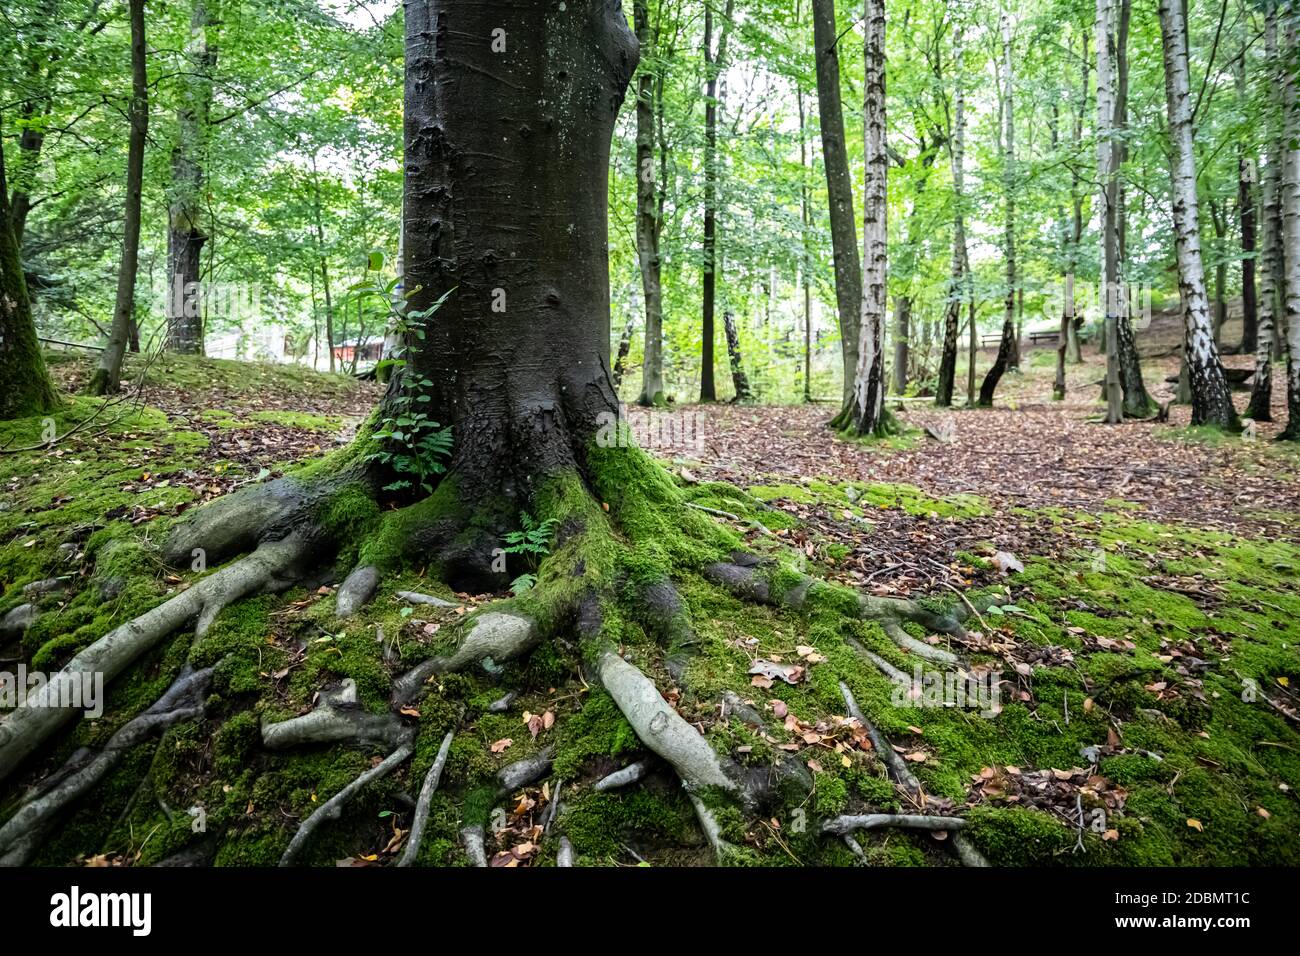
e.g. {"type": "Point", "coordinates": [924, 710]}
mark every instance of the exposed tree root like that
{"type": "Point", "coordinates": [270, 567]}
{"type": "Point", "coordinates": [20, 837]}
{"type": "Point", "coordinates": [660, 727]}
{"type": "Point", "coordinates": [337, 718]}
{"type": "Point", "coordinates": [422, 804]}
{"type": "Point", "coordinates": [622, 778]}
{"type": "Point", "coordinates": [332, 808]}
{"type": "Point", "coordinates": [356, 590]}
{"type": "Point", "coordinates": [564, 856]}
{"type": "Point", "coordinates": [524, 773]}
{"type": "Point", "coordinates": [748, 577]}
{"type": "Point", "coordinates": [491, 636]}
{"type": "Point", "coordinates": [471, 838]}
{"type": "Point", "coordinates": [903, 776]}
{"type": "Point", "coordinates": [842, 825]}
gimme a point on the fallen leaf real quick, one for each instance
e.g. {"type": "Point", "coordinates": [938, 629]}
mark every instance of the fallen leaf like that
{"type": "Point", "coordinates": [501, 745]}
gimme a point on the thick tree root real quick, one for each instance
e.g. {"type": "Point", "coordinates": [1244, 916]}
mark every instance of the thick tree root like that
{"type": "Point", "coordinates": [843, 825]}
{"type": "Point", "coordinates": [422, 804]}
{"type": "Point", "coordinates": [526, 772]}
{"type": "Point", "coordinates": [332, 808]}
{"type": "Point", "coordinates": [491, 638]}
{"type": "Point", "coordinates": [660, 727]}
{"type": "Point", "coordinates": [356, 590]}
{"type": "Point", "coordinates": [746, 576]}
{"type": "Point", "coordinates": [22, 834]}
{"type": "Point", "coordinates": [471, 838]}
{"type": "Point", "coordinates": [337, 718]}
{"type": "Point", "coordinates": [271, 567]}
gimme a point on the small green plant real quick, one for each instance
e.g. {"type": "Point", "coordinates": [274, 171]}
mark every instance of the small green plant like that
{"type": "Point", "coordinates": [533, 542]}
{"type": "Point", "coordinates": [411, 443]}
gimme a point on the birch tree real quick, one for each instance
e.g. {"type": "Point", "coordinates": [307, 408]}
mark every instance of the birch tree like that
{"type": "Point", "coordinates": [1211, 400]}
{"type": "Point", "coordinates": [958, 284]}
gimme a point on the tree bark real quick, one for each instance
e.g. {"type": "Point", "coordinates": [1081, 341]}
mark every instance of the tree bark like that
{"type": "Point", "coordinates": [1211, 400]}
{"type": "Point", "coordinates": [1137, 403]}
{"type": "Point", "coordinates": [739, 381]}
{"type": "Point", "coordinates": [713, 64]}
{"type": "Point", "coordinates": [648, 222]}
{"type": "Point", "coordinates": [1270, 259]}
{"type": "Point", "coordinates": [868, 415]}
{"type": "Point", "coordinates": [506, 199]}
{"type": "Point", "coordinates": [1107, 168]}
{"type": "Point", "coordinates": [108, 375]}
{"type": "Point", "coordinates": [185, 235]}
{"type": "Point", "coordinates": [1007, 343]}
{"type": "Point", "coordinates": [620, 360]}
{"type": "Point", "coordinates": [25, 387]}
{"type": "Point", "coordinates": [1291, 226]}
{"type": "Point", "coordinates": [839, 189]}
{"type": "Point", "coordinates": [902, 341]}
{"type": "Point", "coordinates": [958, 284]}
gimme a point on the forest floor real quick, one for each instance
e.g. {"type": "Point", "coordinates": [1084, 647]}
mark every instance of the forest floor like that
{"type": "Point", "coordinates": [1140, 587]}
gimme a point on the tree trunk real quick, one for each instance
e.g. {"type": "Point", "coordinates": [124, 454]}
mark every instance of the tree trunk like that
{"type": "Point", "coordinates": [506, 196]}
{"type": "Point", "coordinates": [1291, 226]}
{"type": "Point", "coordinates": [1137, 403]}
{"type": "Point", "coordinates": [648, 223]}
{"type": "Point", "coordinates": [108, 374]}
{"type": "Point", "coordinates": [1007, 343]}
{"type": "Point", "coordinates": [1211, 400]}
{"type": "Point", "coordinates": [185, 236]}
{"type": "Point", "coordinates": [1270, 260]}
{"type": "Point", "coordinates": [323, 263]}
{"type": "Point", "coordinates": [902, 341]}
{"type": "Point", "coordinates": [958, 283]}
{"type": "Point", "coordinates": [805, 264]}
{"type": "Point", "coordinates": [1107, 169]}
{"type": "Point", "coordinates": [27, 389]}
{"type": "Point", "coordinates": [713, 64]}
{"type": "Point", "coordinates": [839, 189]}
{"type": "Point", "coordinates": [739, 380]}
{"type": "Point", "coordinates": [868, 415]}
{"type": "Point", "coordinates": [624, 346]}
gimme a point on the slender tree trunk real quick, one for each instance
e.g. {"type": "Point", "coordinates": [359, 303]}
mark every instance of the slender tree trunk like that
{"type": "Point", "coordinates": [868, 415]}
{"type": "Point", "coordinates": [1211, 400]}
{"type": "Point", "coordinates": [1247, 203]}
{"type": "Point", "coordinates": [1008, 341]}
{"type": "Point", "coordinates": [108, 374]}
{"type": "Point", "coordinates": [839, 189]}
{"type": "Point", "coordinates": [25, 387]}
{"type": "Point", "coordinates": [1261, 393]}
{"type": "Point", "coordinates": [185, 235]}
{"type": "Point", "coordinates": [958, 284]}
{"type": "Point", "coordinates": [739, 381]}
{"type": "Point", "coordinates": [902, 341]}
{"type": "Point", "coordinates": [648, 224]}
{"type": "Point", "coordinates": [1291, 224]}
{"type": "Point", "coordinates": [1271, 266]}
{"type": "Point", "coordinates": [624, 346]}
{"type": "Point", "coordinates": [1137, 402]}
{"type": "Point", "coordinates": [517, 357]}
{"type": "Point", "coordinates": [805, 264]}
{"type": "Point", "coordinates": [1107, 169]}
{"type": "Point", "coordinates": [323, 262]}
{"type": "Point", "coordinates": [713, 65]}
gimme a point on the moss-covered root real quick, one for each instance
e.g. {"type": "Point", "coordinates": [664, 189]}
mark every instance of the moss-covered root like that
{"type": "Point", "coordinates": [21, 836]}
{"type": "Point", "coordinates": [273, 566]}
{"type": "Point", "coordinates": [337, 718]}
{"type": "Point", "coordinates": [903, 777]}
{"type": "Point", "coordinates": [754, 579]}
{"type": "Point", "coordinates": [332, 808]}
{"type": "Point", "coordinates": [490, 635]}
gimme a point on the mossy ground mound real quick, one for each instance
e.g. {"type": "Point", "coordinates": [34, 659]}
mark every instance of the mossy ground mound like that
{"type": "Point", "coordinates": [1147, 663]}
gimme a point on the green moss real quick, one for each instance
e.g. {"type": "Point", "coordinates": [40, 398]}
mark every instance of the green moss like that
{"type": "Point", "coordinates": [598, 730]}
